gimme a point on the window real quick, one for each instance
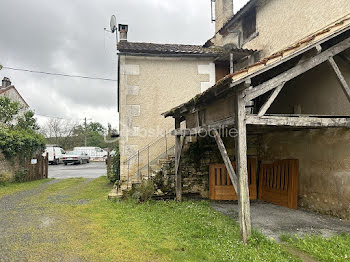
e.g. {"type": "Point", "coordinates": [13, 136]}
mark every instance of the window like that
{"type": "Point", "coordinates": [249, 25]}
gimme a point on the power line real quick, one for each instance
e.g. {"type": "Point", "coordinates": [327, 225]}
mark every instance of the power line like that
{"type": "Point", "coordinates": [62, 118]}
{"type": "Point", "coordinates": [57, 74]}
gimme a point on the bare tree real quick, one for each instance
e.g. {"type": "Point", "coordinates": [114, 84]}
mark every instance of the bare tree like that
{"type": "Point", "coordinates": [60, 131]}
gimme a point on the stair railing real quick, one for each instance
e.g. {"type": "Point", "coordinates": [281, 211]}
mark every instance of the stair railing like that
{"type": "Point", "coordinates": [139, 164]}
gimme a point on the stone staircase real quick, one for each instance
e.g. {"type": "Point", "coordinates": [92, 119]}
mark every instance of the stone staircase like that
{"type": "Point", "coordinates": [161, 170]}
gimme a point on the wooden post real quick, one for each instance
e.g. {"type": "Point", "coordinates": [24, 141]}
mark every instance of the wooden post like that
{"type": "Point", "coordinates": [47, 165]}
{"type": "Point", "coordinates": [241, 164]}
{"type": "Point", "coordinates": [177, 162]}
{"type": "Point", "coordinates": [166, 144]}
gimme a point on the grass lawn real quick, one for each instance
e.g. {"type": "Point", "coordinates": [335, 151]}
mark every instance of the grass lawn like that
{"type": "Point", "coordinates": [16, 187]}
{"type": "Point", "coordinates": [78, 223]}
{"type": "Point", "coordinates": [335, 248]}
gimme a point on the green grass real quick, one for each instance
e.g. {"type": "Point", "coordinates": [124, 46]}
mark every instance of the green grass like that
{"type": "Point", "coordinates": [335, 249]}
{"type": "Point", "coordinates": [86, 226]}
{"type": "Point", "coordinates": [16, 187]}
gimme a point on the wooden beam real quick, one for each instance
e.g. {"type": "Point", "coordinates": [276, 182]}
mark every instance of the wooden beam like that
{"type": "Point", "coordinates": [340, 77]}
{"type": "Point", "coordinates": [242, 167]}
{"type": "Point", "coordinates": [227, 160]}
{"type": "Point", "coordinates": [297, 70]}
{"type": "Point", "coordinates": [269, 101]}
{"type": "Point", "coordinates": [178, 147]}
{"type": "Point", "coordinates": [298, 121]}
{"type": "Point", "coordinates": [220, 124]}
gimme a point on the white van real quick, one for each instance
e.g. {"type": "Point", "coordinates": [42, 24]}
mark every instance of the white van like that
{"type": "Point", "coordinates": [55, 154]}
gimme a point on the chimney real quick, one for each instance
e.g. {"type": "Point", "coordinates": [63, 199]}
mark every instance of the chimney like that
{"type": "Point", "coordinates": [223, 12]}
{"type": "Point", "coordinates": [6, 82]}
{"type": "Point", "coordinates": [123, 32]}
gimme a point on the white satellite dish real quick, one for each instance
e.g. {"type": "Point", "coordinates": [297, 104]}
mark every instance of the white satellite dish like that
{"type": "Point", "coordinates": [113, 23]}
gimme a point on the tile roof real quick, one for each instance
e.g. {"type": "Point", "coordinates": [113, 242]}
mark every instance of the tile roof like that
{"type": "Point", "coordinates": [151, 48]}
{"type": "Point", "coordinates": [275, 59]}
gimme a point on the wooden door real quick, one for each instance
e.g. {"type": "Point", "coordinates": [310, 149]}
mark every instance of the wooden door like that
{"type": "Point", "coordinates": [220, 185]}
{"type": "Point", "coordinates": [278, 183]}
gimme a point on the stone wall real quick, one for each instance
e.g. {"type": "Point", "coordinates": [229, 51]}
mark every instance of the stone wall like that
{"type": "Point", "coordinates": [7, 168]}
{"type": "Point", "coordinates": [324, 166]}
{"type": "Point", "coordinates": [196, 158]}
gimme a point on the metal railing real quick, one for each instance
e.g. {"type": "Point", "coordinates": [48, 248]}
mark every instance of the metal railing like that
{"type": "Point", "coordinates": [140, 163]}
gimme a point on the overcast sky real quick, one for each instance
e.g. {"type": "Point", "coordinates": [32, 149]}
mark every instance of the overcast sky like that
{"type": "Point", "coordinates": [67, 36]}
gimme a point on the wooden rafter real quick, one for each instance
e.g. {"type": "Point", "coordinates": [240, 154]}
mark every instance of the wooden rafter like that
{"type": "Point", "coordinates": [297, 70]}
{"type": "Point", "coordinates": [227, 161]}
{"type": "Point", "coordinates": [269, 101]}
{"type": "Point", "coordinates": [340, 77]}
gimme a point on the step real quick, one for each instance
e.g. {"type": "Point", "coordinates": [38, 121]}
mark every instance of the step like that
{"type": "Point", "coordinates": [164, 161]}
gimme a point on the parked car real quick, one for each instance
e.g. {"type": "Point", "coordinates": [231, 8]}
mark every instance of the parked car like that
{"type": "Point", "coordinates": [96, 153]}
{"type": "Point", "coordinates": [55, 154]}
{"type": "Point", "coordinates": [75, 157]}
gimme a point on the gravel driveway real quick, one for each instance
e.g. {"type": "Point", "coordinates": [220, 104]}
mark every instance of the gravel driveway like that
{"type": "Point", "coordinates": [27, 221]}
{"type": "Point", "coordinates": [273, 220]}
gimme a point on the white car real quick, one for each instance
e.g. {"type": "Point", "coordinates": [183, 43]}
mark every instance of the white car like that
{"type": "Point", "coordinates": [55, 154]}
{"type": "Point", "coordinates": [75, 157]}
{"type": "Point", "coordinates": [93, 152]}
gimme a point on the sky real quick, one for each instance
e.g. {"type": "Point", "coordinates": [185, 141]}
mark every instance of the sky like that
{"type": "Point", "coordinates": [67, 36]}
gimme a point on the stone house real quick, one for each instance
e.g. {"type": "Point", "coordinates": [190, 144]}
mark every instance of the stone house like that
{"type": "Point", "coordinates": [152, 79]}
{"type": "Point", "coordinates": [250, 49]}
{"type": "Point", "coordinates": [288, 105]}
{"type": "Point", "coordinates": [10, 91]}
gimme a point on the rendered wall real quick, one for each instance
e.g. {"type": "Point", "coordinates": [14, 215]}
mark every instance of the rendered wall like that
{"type": "Point", "coordinates": [281, 23]}
{"type": "Point", "coordinates": [13, 95]}
{"type": "Point", "coordinates": [150, 86]}
{"type": "Point", "coordinates": [316, 92]}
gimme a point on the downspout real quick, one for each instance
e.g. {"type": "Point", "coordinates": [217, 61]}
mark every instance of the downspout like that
{"type": "Point", "coordinates": [118, 83]}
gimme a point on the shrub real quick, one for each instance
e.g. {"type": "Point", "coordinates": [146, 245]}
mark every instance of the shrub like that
{"type": "Point", "coordinates": [114, 174]}
{"type": "Point", "coordinates": [20, 175]}
{"type": "Point", "coordinates": [142, 192]}
{"type": "Point", "coordinates": [4, 178]}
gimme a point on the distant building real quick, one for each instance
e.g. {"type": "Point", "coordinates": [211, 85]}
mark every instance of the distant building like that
{"type": "Point", "coordinates": [10, 91]}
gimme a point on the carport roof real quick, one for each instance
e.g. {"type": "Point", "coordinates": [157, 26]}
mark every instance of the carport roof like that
{"type": "Point", "coordinates": [266, 64]}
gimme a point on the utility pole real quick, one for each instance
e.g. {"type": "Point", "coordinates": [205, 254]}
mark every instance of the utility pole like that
{"type": "Point", "coordinates": [85, 133]}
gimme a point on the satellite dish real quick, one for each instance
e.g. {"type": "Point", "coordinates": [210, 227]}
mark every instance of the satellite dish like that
{"type": "Point", "coordinates": [113, 23]}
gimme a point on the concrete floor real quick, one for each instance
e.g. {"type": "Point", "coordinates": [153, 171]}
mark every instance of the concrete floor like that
{"type": "Point", "coordinates": [90, 170]}
{"type": "Point", "coordinates": [273, 220]}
